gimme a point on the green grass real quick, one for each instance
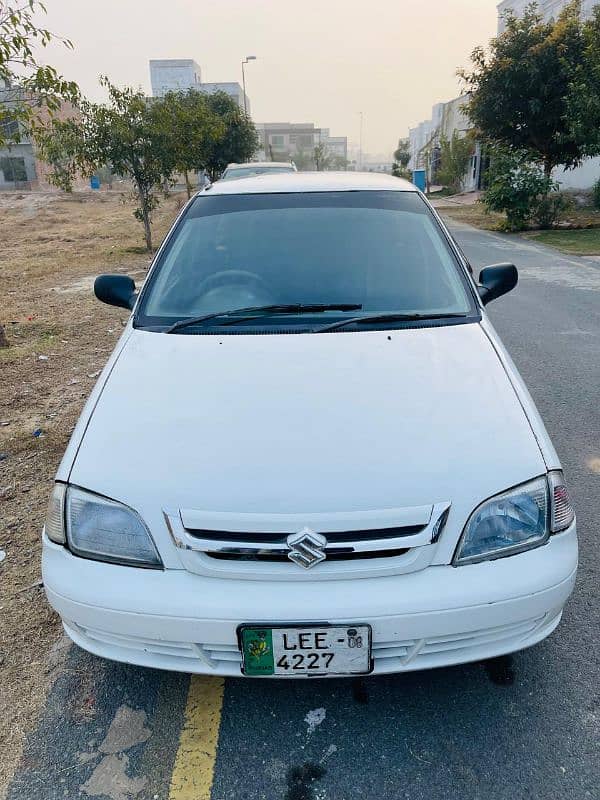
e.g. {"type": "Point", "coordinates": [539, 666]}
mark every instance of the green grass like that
{"type": "Point", "coordinates": [575, 242]}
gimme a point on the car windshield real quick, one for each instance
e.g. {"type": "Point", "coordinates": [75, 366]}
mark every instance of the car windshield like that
{"type": "Point", "coordinates": [248, 172]}
{"type": "Point", "coordinates": [381, 251]}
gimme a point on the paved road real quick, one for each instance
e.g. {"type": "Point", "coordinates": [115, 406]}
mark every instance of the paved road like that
{"type": "Point", "coordinates": [524, 727]}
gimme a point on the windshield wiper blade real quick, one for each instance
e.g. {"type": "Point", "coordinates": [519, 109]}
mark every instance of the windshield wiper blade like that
{"type": "Point", "coordinates": [295, 308]}
{"type": "Point", "coordinates": [259, 311]}
{"type": "Point", "coordinates": [334, 326]}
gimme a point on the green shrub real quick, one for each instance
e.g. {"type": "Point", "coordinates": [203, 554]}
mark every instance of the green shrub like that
{"type": "Point", "coordinates": [548, 209]}
{"type": "Point", "coordinates": [516, 186]}
{"type": "Point", "coordinates": [400, 171]}
{"type": "Point", "coordinates": [596, 194]}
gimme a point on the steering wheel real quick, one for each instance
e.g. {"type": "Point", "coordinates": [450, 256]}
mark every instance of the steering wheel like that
{"type": "Point", "coordinates": [238, 278]}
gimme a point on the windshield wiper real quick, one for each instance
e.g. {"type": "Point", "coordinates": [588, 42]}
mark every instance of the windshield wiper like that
{"type": "Point", "coordinates": [334, 326]}
{"type": "Point", "coordinates": [282, 308]}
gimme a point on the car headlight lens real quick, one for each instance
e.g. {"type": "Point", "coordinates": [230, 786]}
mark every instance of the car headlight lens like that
{"type": "Point", "coordinates": [105, 530]}
{"type": "Point", "coordinates": [509, 523]}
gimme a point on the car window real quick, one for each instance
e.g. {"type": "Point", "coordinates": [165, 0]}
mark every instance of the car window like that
{"type": "Point", "coordinates": [382, 250]}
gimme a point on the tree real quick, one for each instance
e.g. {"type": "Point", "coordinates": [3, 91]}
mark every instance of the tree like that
{"type": "Point", "coordinates": [455, 154]}
{"type": "Point", "coordinates": [402, 153]}
{"type": "Point", "coordinates": [402, 156]}
{"type": "Point", "coordinates": [399, 172]}
{"type": "Point", "coordinates": [322, 157]}
{"type": "Point", "coordinates": [125, 135]}
{"type": "Point", "coordinates": [339, 163]}
{"type": "Point", "coordinates": [30, 88]}
{"type": "Point", "coordinates": [238, 141]}
{"type": "Point", "coordinates": [192, 129]}
{"type": "Point", "coordinates": [520, 89]}
{"type": "Point", "coordinates": [303, 158]}
{"type": "Point", "coordinates": [584, 98]}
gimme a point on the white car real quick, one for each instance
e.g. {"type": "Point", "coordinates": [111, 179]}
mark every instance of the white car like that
{"type": "Point", "coordinates": [253, 168]}
{"type": "Point", "coordinates": [309, 454]}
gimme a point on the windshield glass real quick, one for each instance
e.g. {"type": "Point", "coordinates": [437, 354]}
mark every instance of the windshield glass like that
{"type": "Point", "coordinates": [247, 172]}
{"type": "Point", "coordinates": [383, 251]}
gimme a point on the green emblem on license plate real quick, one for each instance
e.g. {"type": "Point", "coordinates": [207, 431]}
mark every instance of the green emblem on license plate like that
{"type": "Point", "coordinates": [257, 646]}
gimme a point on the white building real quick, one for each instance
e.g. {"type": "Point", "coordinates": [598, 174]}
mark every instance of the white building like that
{"type": "Point", "coordinates": [181, 74]}
{"type": "Point", "coordinates": [589, 172]}
{"type": "Point", "coordinates": [424, 140]}
{"type": "Point", "coordinates": [173, 75]}
{"type": "Point", "coordinates": [234, 90]}
{"type": "Point", "coordinates": [549, 8]}
{"type": "Point", "coordinates": [418, 138]}
{"type": "Point", "coordinates": [337, 146]}
{"type": "Point", "coordinates": [283, 140]}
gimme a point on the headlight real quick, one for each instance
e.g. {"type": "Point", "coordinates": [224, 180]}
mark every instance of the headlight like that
{"type": "Point", "coordinates": [517, 520]}
{"type": "Point", "coordinates": [508, 523]}
{"type": "Point", "coordinates": [104, 530]}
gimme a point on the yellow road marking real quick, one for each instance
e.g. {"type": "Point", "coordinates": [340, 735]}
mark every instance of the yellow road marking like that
{"type": "Point", "coordinates": [195, 760]}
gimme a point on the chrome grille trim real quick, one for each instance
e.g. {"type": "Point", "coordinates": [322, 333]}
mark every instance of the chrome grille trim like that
{"type": "Point", "coordinates": [341, 543]}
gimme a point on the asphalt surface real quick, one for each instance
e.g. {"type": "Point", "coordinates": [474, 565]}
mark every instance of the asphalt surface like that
{"type": "Point", "coordinates": [521, 727]}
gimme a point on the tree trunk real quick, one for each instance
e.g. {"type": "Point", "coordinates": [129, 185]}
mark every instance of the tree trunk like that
{"type": "Point", "coordinates": [188, 186]}
{"type": "Point", "coordinates": [548, 167]}
{"type": "Point", "coordinates": [143, 213]}
{"type": "Point", "coordinates": [147, 229]}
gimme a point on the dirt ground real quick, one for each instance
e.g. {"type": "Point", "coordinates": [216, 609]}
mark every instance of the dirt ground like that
{"type": "Point", "coordinates": [51, 248]}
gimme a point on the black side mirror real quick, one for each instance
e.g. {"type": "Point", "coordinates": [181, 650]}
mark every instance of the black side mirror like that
{"type": "Point", "coordinates": [116, 290]}
{"type": "Point", "coordinates": [497, 280]}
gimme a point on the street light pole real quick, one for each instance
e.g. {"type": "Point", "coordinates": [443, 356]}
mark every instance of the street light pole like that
{"type": "Point", "coordinates": [360, 146]}
{"type": "Point", "coordinates": [245, 61]}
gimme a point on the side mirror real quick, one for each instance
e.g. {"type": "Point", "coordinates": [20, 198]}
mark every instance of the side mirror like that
{"type": "Point", "coordinates": [116, 290]}
{"type": "Point", "coordinates": [497, 280]}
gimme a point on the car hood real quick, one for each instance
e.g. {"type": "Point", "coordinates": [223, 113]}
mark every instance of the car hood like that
{"type": "Point", "coordinates": [307, 423]}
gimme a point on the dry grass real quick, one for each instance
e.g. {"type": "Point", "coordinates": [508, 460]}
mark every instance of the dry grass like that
{"type": "Point", "coordinates": [573, 224]}
{"type": "Point", "coordinates": [472, 214]}
{"type": "Point", "coordinates": [51, 247]}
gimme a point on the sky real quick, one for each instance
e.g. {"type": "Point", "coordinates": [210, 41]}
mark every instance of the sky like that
{"type": "Point", "coordinates": [320, 61]}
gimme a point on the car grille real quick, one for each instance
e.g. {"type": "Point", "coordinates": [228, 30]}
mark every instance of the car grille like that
{"type": "Point", "coordinates": [334, 545]}
{"type": "Point", "coordinates": [273, 548]}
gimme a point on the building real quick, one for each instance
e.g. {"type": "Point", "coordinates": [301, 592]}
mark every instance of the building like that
{"type": "Point", "coordinates": [549, 8]}
{"type": "Point", "coordinates": [20, 167]}
{"type": "Point", "coordinates": [424, 141]}
{"type": "Point", "coordinates": [181, 74]}
{"type": "Point", "coordinates": [588, 173]}
{"type": "Point", "coordinates": [418, 139]}
{"type": "Point", "coordinates": [281, 141]}
{"type": "Point", "coordinates": [337, 146]}
{"type": "Point", "coordinates": [174, 75]}
{"type": "Point", "coordinates": [234, 90]}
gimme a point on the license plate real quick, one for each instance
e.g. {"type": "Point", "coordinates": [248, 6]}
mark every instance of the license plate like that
{"type": "Point", "coordinates": [306, 650]}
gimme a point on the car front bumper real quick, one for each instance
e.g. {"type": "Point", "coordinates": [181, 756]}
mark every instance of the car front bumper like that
{"type": "Point", "coordinates": [436, 617]}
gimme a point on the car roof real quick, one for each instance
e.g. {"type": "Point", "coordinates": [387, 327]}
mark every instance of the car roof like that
{"type": "Point", "coordinates": [252, 164]}
{"type": "Point", "coordinates": [312, 182]}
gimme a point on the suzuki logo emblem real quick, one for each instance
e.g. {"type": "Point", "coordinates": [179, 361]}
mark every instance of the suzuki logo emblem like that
{"type": "Point", "coordinates": [307, 548]}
